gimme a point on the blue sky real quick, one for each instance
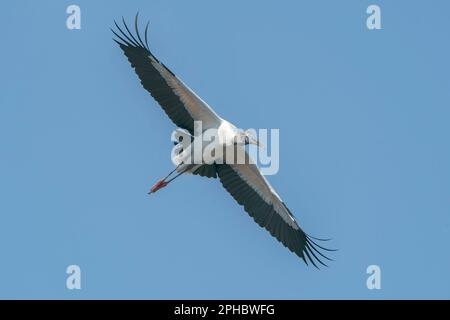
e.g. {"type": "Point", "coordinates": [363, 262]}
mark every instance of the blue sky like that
{"type": "Point", "coordinates": [364, 155]}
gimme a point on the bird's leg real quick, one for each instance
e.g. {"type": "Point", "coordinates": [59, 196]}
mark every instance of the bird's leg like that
{"type": "Point", "coordinates": [179, 174]}
{"type": "Point", "coordinates": [170, 173]}
{"type": "Point", "coordinates": [162, 183]}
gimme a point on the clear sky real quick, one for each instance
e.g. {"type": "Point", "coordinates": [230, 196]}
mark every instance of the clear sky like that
{"type": "Point", "coordinates": [364, 155]}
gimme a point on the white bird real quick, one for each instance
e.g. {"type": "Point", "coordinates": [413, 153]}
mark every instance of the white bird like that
{"type": "Point", "coordinates": [243, 181]}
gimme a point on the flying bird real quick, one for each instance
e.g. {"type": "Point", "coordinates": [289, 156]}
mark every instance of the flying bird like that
{"type": "Point", "coordinates": [244, 182]}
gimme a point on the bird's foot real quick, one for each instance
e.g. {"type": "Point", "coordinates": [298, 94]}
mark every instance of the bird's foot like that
{"type": "Point", "coordinates": [159, 185]}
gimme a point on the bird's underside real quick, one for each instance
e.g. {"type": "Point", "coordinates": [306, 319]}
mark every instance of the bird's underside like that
{"type": "Point", "coordinates": [243, 181]}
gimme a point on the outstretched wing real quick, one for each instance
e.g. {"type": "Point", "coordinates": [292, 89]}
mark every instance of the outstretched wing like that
{"type": "Point", "coordinates": [179, 102]}
{"type": "Point", "coordinates": [250, 189]}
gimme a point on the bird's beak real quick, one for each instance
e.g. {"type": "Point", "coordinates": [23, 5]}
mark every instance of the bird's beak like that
{"type": "Point", "coordinates": [159, 185]}
{"type": "Point", "coordinates": [256, 143]}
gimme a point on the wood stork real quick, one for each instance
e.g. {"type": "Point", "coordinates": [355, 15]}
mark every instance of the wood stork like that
{"type": "Point", "coordinates": [244, 182]}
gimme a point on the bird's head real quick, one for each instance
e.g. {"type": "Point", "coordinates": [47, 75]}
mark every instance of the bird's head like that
{"type": "Point", "coordinates": [247, 137]}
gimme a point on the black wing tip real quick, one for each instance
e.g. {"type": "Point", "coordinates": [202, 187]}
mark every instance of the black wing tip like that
{"type": "Point", "coordinates": [292, 237]}
{"type": "Point", "coordinates": [311, 248]}
{"type": "Point", "coordinates": [311, 239]}
{"type": "Point", "coordinates": [314, 252]}
{"type": "Point", "coordinates": [126, 38]}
